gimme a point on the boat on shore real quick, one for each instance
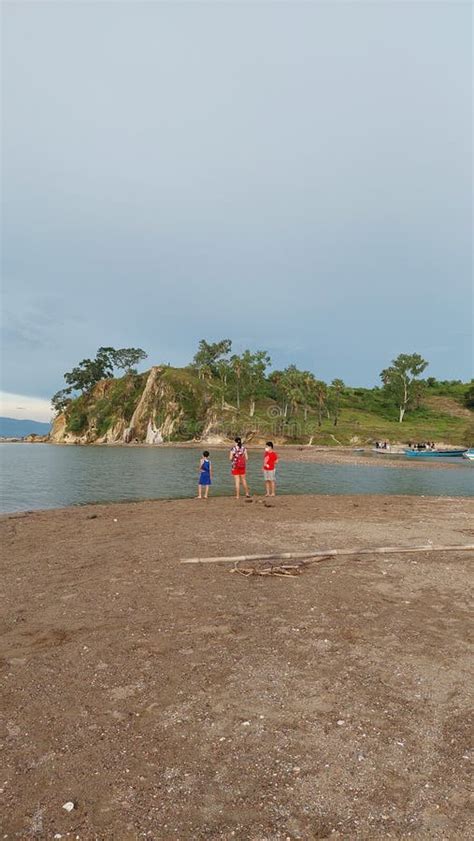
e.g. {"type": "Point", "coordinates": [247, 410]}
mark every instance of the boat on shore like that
{"type": "Point", "coordinates": [388, 451]}
{"type": "Point", "coordinates": [427, 453]}
{"type": "Point", "coordinates": [469, 454]}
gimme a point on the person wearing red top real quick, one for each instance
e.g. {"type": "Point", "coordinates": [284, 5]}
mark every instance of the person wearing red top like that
{"type": "Point", "coordinates": [270, 459]}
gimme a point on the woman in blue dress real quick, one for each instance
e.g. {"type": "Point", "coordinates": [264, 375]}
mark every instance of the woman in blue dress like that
{"type": "Point", "coordinates": [205, 475]}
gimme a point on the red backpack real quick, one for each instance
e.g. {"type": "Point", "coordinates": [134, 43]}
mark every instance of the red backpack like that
{"type": "Point", "coordinates": [239, 459]}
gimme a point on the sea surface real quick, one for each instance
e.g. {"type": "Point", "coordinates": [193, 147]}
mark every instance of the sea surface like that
{"type": "Point", "coordinates": [36, 476]}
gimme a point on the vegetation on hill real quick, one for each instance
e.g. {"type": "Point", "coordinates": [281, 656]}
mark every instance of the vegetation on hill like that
{"type": "Point", "coordinates": [220, 394]}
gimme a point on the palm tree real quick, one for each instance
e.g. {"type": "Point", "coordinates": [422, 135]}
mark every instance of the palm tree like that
{"type": "Point", "coordinates": [236, 363]}
{"type": "Point", "coordinates": [321, 394]}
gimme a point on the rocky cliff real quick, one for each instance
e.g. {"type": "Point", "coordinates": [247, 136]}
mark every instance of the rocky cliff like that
{"type": "Point", "coordinates": [161, 405]}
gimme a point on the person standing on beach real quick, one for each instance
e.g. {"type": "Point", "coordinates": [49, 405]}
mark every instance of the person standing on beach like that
{"type": "Point", "coordinates": [239, 458]}
{"type": "Point", "coordinates": [205, 475]}
{"type": "Point", "coordinates": [270, 460]}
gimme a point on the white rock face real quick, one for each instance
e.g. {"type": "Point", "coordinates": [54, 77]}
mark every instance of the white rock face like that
{"type": "Point", "coordinates": [153, 435]}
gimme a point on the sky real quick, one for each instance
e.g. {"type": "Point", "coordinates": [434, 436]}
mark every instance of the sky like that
{"type": "Point", "coordinates": [295, 176]}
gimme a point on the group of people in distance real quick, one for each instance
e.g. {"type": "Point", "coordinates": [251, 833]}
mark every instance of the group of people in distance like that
{"type": "Point", "coordinates": [238, 457]}
{"type": "Point", "coordinates": [424, 445]}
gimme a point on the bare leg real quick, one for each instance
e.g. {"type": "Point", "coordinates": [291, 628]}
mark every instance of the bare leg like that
{"type": "Point", "coordinates": [237, 486]}
{"type": "Point", "coordinates": [267, 488]}
{"type": "Point", "coordinates": [199, 496]}
{"type": "Point", "coordinates": [273, 487]}
{"type": "Point", "coordinates": [206, 492]}
{"type": "Point", "coordinates": [246, 487]}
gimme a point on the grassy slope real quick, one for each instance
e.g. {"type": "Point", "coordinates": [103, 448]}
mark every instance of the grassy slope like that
{"type": "Point", "coordinates": [365, 414]}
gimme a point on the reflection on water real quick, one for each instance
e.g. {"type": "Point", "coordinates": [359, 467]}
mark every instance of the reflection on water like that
{"type": "Point", "coordinates": [46, 476]}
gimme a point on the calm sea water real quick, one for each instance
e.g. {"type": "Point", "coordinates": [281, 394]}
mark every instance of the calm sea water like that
{"type": "Point", "coordinates": [44, 476]}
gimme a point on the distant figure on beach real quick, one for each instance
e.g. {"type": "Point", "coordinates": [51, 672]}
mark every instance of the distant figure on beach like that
{"type": "Point", "coordinates": [239, 457]}
{"type": "Point", "coordinates": [270, 459]}
{"type": "Point", "coordinates": [205, 475]}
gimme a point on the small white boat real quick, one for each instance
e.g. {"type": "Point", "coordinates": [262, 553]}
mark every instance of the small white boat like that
{"type": "Point", "coordinates": [469, 454]}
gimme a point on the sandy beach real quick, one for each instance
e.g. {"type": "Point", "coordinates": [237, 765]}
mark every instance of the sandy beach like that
{"type": "Point", "coordinates": [172, 701]}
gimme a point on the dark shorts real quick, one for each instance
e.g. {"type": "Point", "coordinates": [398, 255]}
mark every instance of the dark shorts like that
{"type": "Point", "coordinates": [205, 479]}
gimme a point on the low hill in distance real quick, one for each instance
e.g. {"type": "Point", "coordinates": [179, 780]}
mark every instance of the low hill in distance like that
{"type": "Point", "coordinates": [19, 428]}
{"type": "Point", "coordinates": [167, 404]}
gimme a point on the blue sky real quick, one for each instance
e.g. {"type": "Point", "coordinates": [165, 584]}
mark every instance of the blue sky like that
{"type": "Point", "coordinates": [295, 176]}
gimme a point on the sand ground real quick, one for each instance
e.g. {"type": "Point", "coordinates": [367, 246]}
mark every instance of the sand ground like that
{"type": "Point", "coordinates": [185, 702]}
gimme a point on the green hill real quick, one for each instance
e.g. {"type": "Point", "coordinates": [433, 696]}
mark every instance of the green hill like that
{"type": "Point", "coordinates": [167, 404]}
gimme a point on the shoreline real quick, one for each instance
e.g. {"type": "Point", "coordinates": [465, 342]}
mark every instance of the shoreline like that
{"type": "Point", "coordinates": [255, 498]}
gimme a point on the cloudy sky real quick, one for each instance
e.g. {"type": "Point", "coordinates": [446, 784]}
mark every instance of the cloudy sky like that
{"type": "Point", "coordinates": [295, 176]}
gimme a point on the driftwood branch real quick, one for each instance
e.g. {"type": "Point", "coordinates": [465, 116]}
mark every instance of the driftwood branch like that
{"type": "Point", "coordinates": [288, 556]}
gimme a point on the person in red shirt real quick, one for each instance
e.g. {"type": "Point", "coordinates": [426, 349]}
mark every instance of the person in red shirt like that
{"type": "Point", "coordinates": [269, 463]}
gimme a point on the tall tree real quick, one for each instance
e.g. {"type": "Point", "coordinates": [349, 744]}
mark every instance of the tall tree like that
{"type": "Point", "coordinates": [292, 387]}
{"type": "Point", "coordinates": [90, 371]}
{"type": "Point", "coordinates": [401, 377]}
{"type": "Point", "coordinates": [61, 400]}
{"type": "Point", "coordinates": [336, 390]}
{"type": "Point", "coordinates": [237, 370]}
{"type": "Point", "coordinates": [254, 366]}
{"type": "Point", "coordinates": [126, 358]}
{"type": "Point", "coordinates": [308, 381]}
{"type": "Point", "coordinates": [224, 371]}
{"type": "Point", "coordinates": [209, 353]}
{"type": "Point", "coordinates": [320, 396]}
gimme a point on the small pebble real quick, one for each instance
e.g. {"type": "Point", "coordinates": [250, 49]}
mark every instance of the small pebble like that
{"type": "Point", "coordinates": [69, 806]}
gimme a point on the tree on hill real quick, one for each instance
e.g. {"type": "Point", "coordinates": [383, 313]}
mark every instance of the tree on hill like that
{"type": "Point", "coordinates": [291, 385]}
{"type": "Point", "coordinates": [210, 353]}
{"type": "Point", "coordinates": [336, 389]}
{"type": "Point", "coordinates": [224, 371]}
{"type": "Point", "coordinates": [61, 400]}
{"type": "Point", "coordinates": [254, 368]}
{"type": "Point", "coordinates": [469, 397]}
{"type": "Point", "coordinates": [89, 372]}
{"type": "Point", "coordinates": [320, 396]}
{"type": "Point", "coordinates": [126, 358]}
{"type": "Point", "coordinates": [237, 370]}
{"type": "Point", "coordinates": [401, 381]}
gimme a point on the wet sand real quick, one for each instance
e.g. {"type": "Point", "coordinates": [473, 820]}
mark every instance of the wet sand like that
{"type": "Point", "coordinates": [184, 702]}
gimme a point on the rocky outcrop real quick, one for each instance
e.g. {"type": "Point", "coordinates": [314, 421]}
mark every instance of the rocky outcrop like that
{"type": "Point", "coordinates": [171, 404]}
